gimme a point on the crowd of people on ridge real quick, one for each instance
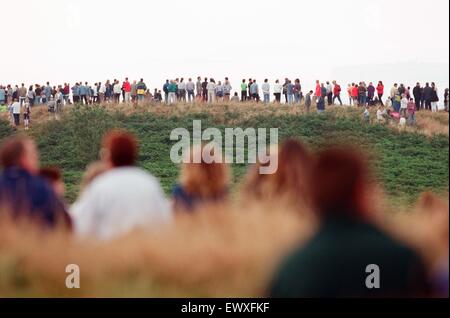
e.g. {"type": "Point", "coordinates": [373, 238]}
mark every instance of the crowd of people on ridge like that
{"type": "Point", "coordinates": [20, 100]}
{"type": "Point", "coordinates": [117, 197]}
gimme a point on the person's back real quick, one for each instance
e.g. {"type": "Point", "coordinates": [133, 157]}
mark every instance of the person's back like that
{"type": "Point", "coordinates": [334, 262]}
{"type": "Point", "coordinates": [119, 201]}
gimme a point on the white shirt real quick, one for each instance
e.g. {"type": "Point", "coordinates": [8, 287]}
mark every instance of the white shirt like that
{"type": "Point", "coordinates": [118, 202]}
{"type": "Point", "coordinates": [278, 88]}
{"type": "Point", "coordinates": [265, 88]}
{"type": "Point", "coordinates": [404, 103]}
{"type": "Point", "coordinates": [102, 89]}
{"type": "Point", "coordinates": [211, 87]}
{"type": "Point", "coordinates": [16, 108]}
{"type": "Point", "coordinates": [117, 89]}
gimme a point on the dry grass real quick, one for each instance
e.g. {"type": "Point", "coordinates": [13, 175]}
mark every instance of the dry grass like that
{"type": "Point", "coordinates": [227, 251]}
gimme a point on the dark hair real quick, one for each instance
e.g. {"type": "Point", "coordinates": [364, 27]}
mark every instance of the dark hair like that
{"type": "Point", "coordinates": [12, 150]}
{"type": "Point", "coordinates": [122, 146]}
{"type": "Point", "coordinates": [338, 179]}
{"type": "Point", "coordinates": [52, 174]}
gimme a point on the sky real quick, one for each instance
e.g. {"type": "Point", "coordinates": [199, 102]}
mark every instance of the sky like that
{"type": "Point", "coordinates": [94, 40]}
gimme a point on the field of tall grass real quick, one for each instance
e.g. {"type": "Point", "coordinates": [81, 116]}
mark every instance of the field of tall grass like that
{"type": "Point", "coordinates": [232, 250]}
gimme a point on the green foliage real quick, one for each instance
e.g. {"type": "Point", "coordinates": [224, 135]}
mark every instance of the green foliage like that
{"type": "Point", "coordinates": [405, 163]}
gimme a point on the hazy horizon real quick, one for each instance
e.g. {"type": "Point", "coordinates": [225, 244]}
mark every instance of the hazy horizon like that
{"type": "Point", "coordinates": [70, 41]}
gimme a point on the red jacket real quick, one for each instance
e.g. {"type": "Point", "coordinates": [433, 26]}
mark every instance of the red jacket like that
{"type": "Point", "coordinates": [126, 87]}
{"type": "Point", "coordinates": [355, 91]}
{"type": "Point", "coordinates": [380, 89]}
{"type": "Point", "coordinates": [318, 90]}
{"type": "Point", "coordinates": [336, 90]}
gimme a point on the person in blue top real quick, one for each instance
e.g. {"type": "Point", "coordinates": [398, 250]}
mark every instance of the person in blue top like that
{"type": "Point", "coordinates": [2, 95]}
{"type": "Point", "coordinates": [76, 93]}
{"type": "Point", "coordinates": [23, 194]}
{"type": "Point", "coordinates": [200, 184]}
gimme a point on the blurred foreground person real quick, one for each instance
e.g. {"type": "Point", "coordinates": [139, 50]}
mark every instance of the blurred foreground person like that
{"type": "Point", "coordinates": [121, 199]}
{"type": "Point", "coordinates": [54, 177]}
{"type": "Point", "coordinates": [289, 184]}
{"type": "Point", "coordinates": [339, 259]}
{"type": "Point", "coordinates": [200, 183]}
{"type": "Point", "coordinates": [22, 192]}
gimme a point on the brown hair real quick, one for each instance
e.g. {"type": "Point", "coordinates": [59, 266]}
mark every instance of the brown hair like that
{"type": "Point", "coordinates": [205, 180]}
{"type": "Point", "coordinates": [12, 150]}
{"type": "Point", "coordinates": [339, 179]}
{"type": "Point", "coordinates": [122, 147]}
{"type": "Point", "coordinates": [289, 182]}
{"type": "Point", "coordinates": [52, 174]}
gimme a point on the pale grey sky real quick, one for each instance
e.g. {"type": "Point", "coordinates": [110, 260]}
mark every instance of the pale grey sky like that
{"type": "Point", "coordinates": [73, 40]}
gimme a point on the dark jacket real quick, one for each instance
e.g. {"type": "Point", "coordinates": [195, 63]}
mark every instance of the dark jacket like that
{"type": "Point", "coordinates": [427, 91]}
{"type": "Point", "coordinates": [417, 92]}
{"type": "Point", "coordinates": [333, 264]}
{"type": "Point", "coordinates": [29, 196]}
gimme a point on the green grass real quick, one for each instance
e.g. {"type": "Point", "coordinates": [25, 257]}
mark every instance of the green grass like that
{"type": "Point", "coordinates": [405, 163]}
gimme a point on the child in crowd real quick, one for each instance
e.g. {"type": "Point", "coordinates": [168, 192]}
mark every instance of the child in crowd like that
{"type": "Point", "coordinates": [308, 101]}
{"type": "Point", "coordinates": [411, 112]}
{"type": "Point", "coordinates": [402, 123]}
{"type": "Point", "coordinates": [403, 105]}
{"type": "Point", "coordinates": [367, 115]}
{"type": "Point", "coordinates": [27, 116]}
{"type": "Point", "coordinates": [382, 116]}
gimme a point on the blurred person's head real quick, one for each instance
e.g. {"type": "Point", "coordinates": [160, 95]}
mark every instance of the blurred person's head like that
{"type": "Point", "coordinates": [204, 180]}
{"type": "Point", "coordinates": [289, 182]}
{"type": "Point", "coordinates": [339, 180]}
{"type": "Point", "coordinates": [54, 177]}
{"type": "Point", "coordinates": [20, 152]}
{"type": "Point", "coordinates": [120, 149]}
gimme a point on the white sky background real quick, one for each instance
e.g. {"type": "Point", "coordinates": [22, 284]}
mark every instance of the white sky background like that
{"type": "Point", "coordinates": [92, 40]}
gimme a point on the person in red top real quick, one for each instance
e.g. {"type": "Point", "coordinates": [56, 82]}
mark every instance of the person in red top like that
{"type": "Point", "coordinates": [355, 94]}
{"type": "Point", "coordinates": [66, 93]}
{"type": "Point", "coordinates": [127, 89]}
{"type": "Point", "coordinates": [318, 93]}
{"type": "Point", "coordinates": [337, 92]}
{"type": "Point", "coordinates": [380, 91]}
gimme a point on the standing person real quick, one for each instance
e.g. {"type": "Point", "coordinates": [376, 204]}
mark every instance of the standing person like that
{"type": "Point", "coordinates": [205, 90]}
{"type": "Point", "coordinates": [434, 98]}
{"type": "Point", "coordinates": [37, 94]}
{"type": "Point", "coordinates": [124, 198]}
{"type": "Point", "coordinates": [227, 90]}
{"type": "Point", "coordinates": [347, 234]}
{"type": "Point", "coordinates": [337, 92]}
{"type": "Point", "coordinates": [446, 99]}
{"type": "Point", "coordinates": [349, 93]}
{"type": "Point", "coordinates": [380, 92]}
{"type": "Point", "coordinates": [355, 95]}
{"type": "Point", "coordinates": [190, 89]}
{"type": "Point", "coordinates": [31, 95]}
{"type": "Point", "coordinates": [254, 91]}
{"type": "Point", "coordinates": [198, 87]}
{"type": "Point", "coordinates": [370, 94]}
{"type": "Point", "coordinates": [211, 89]}
{"type": "Point", "coordinates": [83, 93]}
{"type": "Point", "coordinates": [27, 117]}
{"type": "Point", "coordinates": [166, 91]}
{"type": "Point", "coordinates": [411, 112]}
{"type": "Point", "coordinates": [16, 112]}
{"type": "Point", "coordinates": [362, 94]}
{"type": "Point", "coordinates": [117, 91]}
{"type": "Point", "coordinates": [2, 95]}
{"type": "Point", "coordinates": [243, 91]}
{"type": "Point", "coordinates": [95, 90]}
{"type": "Point", "coordinates": [22, 192]}
{"type": "Point", "coordinates": [394, 92]}
{"type": "Point", "coordinates": [285, 85]}
{"type": "Point", "coordinates": [181, 89]}
{"type": "Point", "coordinates": [266, 91]}
{"type": "Point", "coordinates": [22, 94]}
{"type": "Point", "coordinates": [172, 89]}
{"type": "Point", "coordinates": [250, 82]}
{"type": "Point", "coordinates": [404, 105]}
{"type": "Point", "coordinates": [101, 92]}
{"type": "Point", "coordinates": [329, 94]}
{"type": "Point", "coordinates": [219, 91]}
{"type": "Point", "coordinates": [297, 91]}
{"type": "Point", "coordinates": [66, 92]}
{"type": "Point", "coordinates": [127, 90]}
{"type": "Point", "coordinates": [290, 92]}
{"type": "Point", "coordinates": [417, 93]}
{"type": "Point", "coordinates": [141, 89]}
{"type": "Point", "coordinates": [308, 101]}
{"type": "Point", "coordinates": [318, 91]}
{"type": "Point", "coordinates": [277, 91]}
{"type": "Point", "coordinates": [134, 92]}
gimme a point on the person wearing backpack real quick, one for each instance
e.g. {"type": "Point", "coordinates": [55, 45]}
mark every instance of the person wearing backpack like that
{"type": "Point", "coordinates": [337, 92]}
{"type": "Point", "coordinates": [141, 89]}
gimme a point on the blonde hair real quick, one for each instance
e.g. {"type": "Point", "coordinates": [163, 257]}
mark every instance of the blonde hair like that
{"type": "Point", "coordinates": [204, 180]}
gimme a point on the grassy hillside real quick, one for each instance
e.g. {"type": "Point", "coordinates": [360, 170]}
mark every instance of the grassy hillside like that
{"type": "Point", "coordinates": [406, 163]}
